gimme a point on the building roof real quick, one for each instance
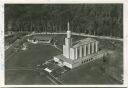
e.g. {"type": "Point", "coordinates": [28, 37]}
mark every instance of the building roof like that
{"type": "Point", "coordinates": [83, 42]}
{"type": "Point", "coordinates": [41, 37]}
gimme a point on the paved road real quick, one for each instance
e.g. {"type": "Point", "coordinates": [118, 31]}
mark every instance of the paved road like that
{"type": "Point", "coordinates": [73, 33]}
{"type": "Point", "coordinates": [56, 80]}
{"type": "Point", "coordinates": [81, 34]}
{"type": "Point", "coordinates": [51, 77]}
{"type": "Point", "coordinates": [19, 68]}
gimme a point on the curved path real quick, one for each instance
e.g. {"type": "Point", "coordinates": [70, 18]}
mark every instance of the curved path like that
{"type": "Point", "coordinates": [73, 33]}
{"type": "Point", "coordinates": [81, 34]}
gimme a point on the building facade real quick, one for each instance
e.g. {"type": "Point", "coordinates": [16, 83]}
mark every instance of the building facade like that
{"type": "Point", "coordinates": [80, 52]}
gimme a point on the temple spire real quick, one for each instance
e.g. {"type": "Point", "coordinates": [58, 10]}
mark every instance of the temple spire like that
{"type": "Point", "coordinates": [68, 31]}
{"type": "Point", "coordinates": [68, 27]}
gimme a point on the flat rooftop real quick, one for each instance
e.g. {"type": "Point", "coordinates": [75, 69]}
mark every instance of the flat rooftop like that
{"type": "Point", "coordinates": [83, 41]}
{"type": "Point", "coordinates": [41, 37]}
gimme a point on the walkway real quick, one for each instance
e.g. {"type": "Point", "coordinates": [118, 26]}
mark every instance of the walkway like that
{"type": "Point", "coordinates": [81, 34]}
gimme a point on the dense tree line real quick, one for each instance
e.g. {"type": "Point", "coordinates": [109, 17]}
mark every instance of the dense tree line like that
{"type": "Point", "coordinates": [95, 19]}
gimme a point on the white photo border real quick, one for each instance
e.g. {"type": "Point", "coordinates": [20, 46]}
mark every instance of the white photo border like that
{"type": "Point", "coordinates": [125, 37]}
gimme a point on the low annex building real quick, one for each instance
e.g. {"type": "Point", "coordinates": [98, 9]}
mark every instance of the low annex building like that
{"type": "Point", "coordinates": [40, 39]}
{"type": "Point", "coordinates": [80, 52]}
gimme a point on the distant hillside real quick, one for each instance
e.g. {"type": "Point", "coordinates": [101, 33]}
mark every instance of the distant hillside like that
{"type": "Point", "coordinates": [95, 19]}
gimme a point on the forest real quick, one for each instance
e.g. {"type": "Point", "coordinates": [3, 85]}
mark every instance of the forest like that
{"type": "Point", "coordinates": [93, 19]}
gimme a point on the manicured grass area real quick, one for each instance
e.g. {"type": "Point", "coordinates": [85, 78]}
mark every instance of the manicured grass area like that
{"type": "Point", "coordinates": [90, 73]}
{"type": "Point", "coordinates": [21, 77]}
{"type": "Point", "coordinates": [114, 67]}
{"type": "Point", "coordinates": [35, 54]}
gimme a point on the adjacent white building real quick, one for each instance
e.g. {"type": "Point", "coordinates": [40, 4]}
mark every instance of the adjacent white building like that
{"type": "Point", "coordinates": [80, 52]}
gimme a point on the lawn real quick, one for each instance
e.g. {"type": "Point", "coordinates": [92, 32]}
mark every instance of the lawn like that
{"type": "Point", "coordinates": [23, 77]}
{"type": "Point", "coordinates": [35, 54]}
{"type": "Point", "coordinates": [89, 73]}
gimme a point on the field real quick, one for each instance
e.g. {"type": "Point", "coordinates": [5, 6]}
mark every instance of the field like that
{"type": "Point", "coordinates": [35, 54]}
{"type": "Point", "coordinates": [19, 67]}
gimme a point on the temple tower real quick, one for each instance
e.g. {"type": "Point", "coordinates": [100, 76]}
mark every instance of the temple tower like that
{"type": "Point", "coordinates": [68, 43]}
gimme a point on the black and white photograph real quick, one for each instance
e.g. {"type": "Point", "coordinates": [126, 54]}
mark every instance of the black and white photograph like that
{"type": "Point", "coordinates": [63, 44]}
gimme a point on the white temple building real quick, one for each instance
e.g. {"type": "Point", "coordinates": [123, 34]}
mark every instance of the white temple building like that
{"type": "Point", "coordinates": [80, 52]}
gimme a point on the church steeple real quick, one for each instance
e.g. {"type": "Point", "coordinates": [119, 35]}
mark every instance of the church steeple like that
{"type": "Point", "coordinates": [68, 31]}
{"type": "Point", "coordinates": [68, 26]}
